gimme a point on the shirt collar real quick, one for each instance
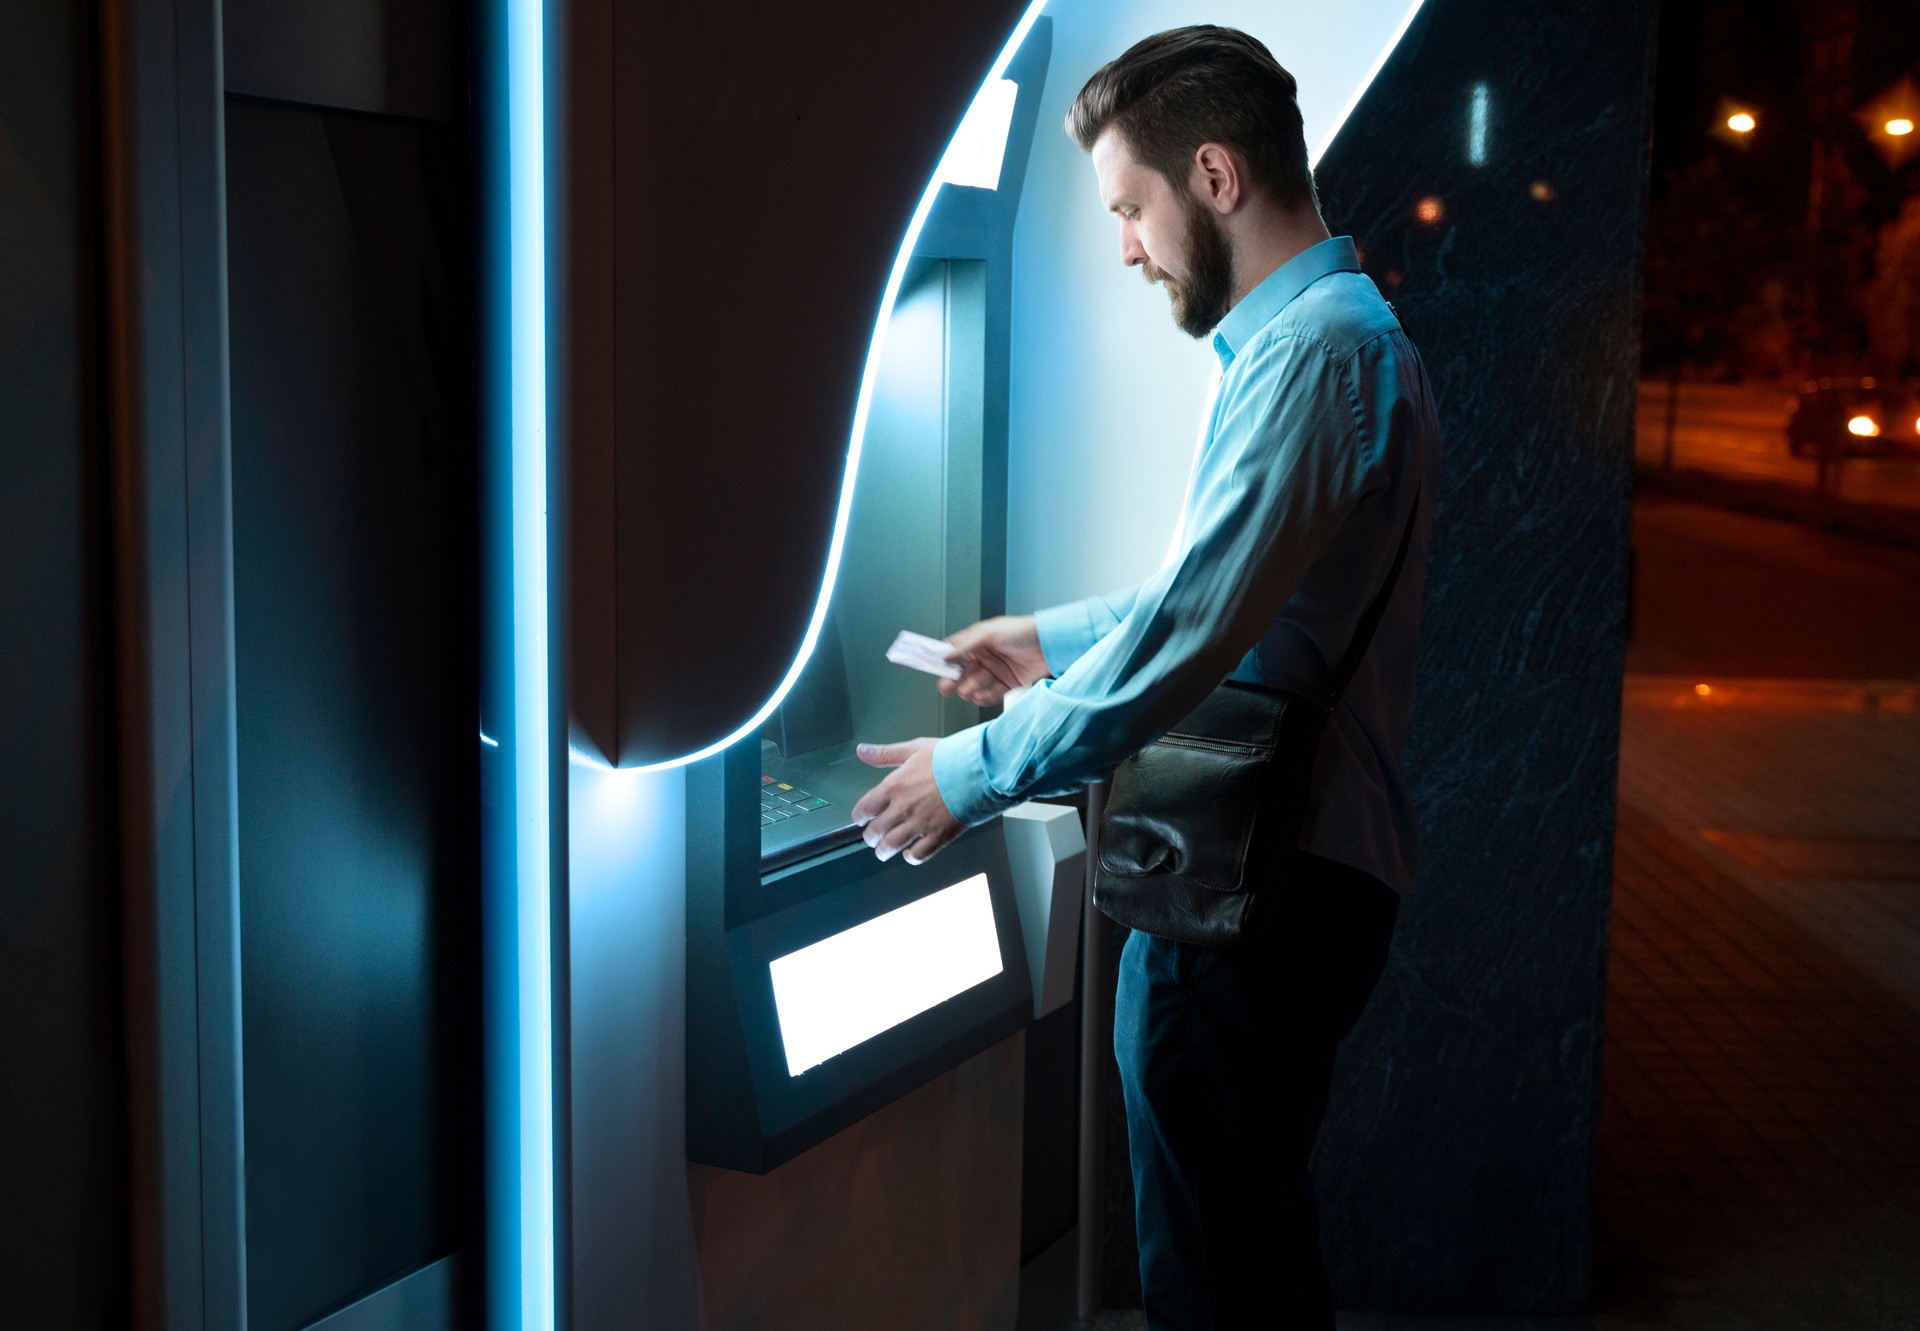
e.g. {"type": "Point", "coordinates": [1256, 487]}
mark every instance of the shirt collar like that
{"type": "Point", "coordinates": [1277, 291]}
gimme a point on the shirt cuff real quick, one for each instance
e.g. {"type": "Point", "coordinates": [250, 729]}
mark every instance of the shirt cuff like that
{"type": "Point", "coordinates": [1067, 632]}
{"type": "Point", "coordinates": [960, 775]}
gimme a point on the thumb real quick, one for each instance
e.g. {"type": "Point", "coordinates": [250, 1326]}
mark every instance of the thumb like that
{"type": "Point", "coordinates": [884, 755]}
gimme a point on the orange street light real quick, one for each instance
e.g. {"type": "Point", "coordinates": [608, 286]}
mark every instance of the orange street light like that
{"type": "Point", "coordinates": [1888, 120]}
{"type": "Point", "coordinates": [1741, 122]}
{"type": "Point", "coordinates": [1864, 426]}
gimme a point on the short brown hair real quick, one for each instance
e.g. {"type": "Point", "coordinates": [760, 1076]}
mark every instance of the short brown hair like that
{"type": "Point", "coordinates": [1176, 90]}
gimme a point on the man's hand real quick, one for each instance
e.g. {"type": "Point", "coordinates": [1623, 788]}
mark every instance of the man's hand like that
{"type": "Point", "coordinates": [994, 656]}
{"type": "Point", "coordinates": [905, 811]}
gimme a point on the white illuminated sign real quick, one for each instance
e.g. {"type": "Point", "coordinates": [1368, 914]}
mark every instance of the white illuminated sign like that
{"type": "Point", "coordinates": [844, 990]}
{"type": "Point", "coordinates": [980, 144]}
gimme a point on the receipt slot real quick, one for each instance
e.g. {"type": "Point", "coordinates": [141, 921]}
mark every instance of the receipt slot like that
{"type": "Point", "coordinates": [821, 982]}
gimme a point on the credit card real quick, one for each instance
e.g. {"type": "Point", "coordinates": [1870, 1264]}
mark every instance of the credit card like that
{"type": "Point", "coordinates": [916, 651]}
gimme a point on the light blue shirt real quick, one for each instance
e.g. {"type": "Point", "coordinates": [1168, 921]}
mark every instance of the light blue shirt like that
{"type": "Point", "coordinates": [1322, 433]}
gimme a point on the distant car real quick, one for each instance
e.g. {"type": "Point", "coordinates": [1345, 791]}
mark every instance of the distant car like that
{"type": "Point", "coordinates": [1853, 418]}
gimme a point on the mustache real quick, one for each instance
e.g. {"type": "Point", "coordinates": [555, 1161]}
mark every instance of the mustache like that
{"type": "Point", "coordinates": [1155, 275]}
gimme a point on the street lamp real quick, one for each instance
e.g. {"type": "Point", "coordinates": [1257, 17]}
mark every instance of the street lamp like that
{"type": "Point", "coordinates": [1741, 122]}
{"type": "Point", "coordinates": [1889, 119]}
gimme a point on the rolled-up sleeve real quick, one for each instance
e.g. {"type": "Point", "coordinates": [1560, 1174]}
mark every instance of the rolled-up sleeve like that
{"type": "Point", "coordinates": [1281, 471]}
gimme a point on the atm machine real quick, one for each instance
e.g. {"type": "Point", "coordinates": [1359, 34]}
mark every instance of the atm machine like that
{"type": "Point", "coordinates": [823, 983]}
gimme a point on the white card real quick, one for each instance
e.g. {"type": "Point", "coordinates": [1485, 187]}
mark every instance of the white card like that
{"type": "Point", "coordinates": [916, 651]}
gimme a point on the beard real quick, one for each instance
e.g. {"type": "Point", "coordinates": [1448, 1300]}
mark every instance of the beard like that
{"type": "Point", "coordinates": [1202, 298]}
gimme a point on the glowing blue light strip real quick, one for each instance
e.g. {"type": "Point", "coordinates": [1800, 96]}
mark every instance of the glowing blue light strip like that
{"type": "Point", "coordinates": [527, 318]}
{"type": "Point", "coordinates": [1393, 42]}
{"type": "Point", "coordinates": [868, 377]}
{"type": "Point", "coordinates": [1477, 125]}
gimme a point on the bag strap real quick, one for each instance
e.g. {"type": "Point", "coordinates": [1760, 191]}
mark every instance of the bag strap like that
{"type": "Point", "coordinates": [1370, 618]}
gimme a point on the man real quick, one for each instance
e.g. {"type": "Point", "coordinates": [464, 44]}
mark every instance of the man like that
{"type": "Point", "coordinates": [1321, 446]}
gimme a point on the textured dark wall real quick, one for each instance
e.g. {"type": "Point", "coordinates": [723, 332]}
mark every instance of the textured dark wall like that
{"type": "Point", "coordinates": [62, 1130]}
{"type": "Point", "coordinates": [355, 555]}
{"type": "Point", "coordinates": [1456, 1166]}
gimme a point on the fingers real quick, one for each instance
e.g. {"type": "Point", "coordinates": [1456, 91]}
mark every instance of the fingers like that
{"type": "Point", "coordinates": [998, 667]}
{"type": "Point", "coordinates": [889, 832]}
{"type": "Point", "coordinates": [895, 839]}
{"type": "Point", "coordinates": [871, 806]}
{"type": "Point", "coordinates": [884, 755]}
{"type": "Point", "coordinates": [927, 846]}
{"type": "Point", "coordinates": [981, 691]}
{"type": "Point", "coordinates": [985, 677]}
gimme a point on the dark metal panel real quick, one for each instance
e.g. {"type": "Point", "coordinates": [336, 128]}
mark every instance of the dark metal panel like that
{"type": "Point", "coordinates": [63, 1166]}
{"type": "Point", "coordinates": [387, 57]}
{"type": "Point", "coordinates": [737, 306]}
{"type": "Point", "coordinates": [356, 602]}
{"type": "Point", "coordinates": [166, 306]}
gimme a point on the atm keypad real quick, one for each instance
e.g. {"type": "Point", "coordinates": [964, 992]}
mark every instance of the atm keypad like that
{"type": "Point", "coordinates": [780, 800]}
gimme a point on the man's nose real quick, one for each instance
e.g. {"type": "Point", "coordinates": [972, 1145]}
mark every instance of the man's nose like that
{"type": "Point", "coordinates": [1132, 253]}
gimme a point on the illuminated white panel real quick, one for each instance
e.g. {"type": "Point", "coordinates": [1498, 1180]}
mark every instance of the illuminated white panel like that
{"type": "Point", "coordinates": [844, 990]}
{"type": "Point", "coordinates": [980, 144]}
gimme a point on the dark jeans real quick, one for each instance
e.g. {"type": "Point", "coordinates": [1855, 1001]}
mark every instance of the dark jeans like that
{"type": "Point", "coordinates": [1225, 1058]}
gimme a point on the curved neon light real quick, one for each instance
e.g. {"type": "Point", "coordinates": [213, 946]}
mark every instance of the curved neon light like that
{"type": "Point", "coordinates": [868, 376]}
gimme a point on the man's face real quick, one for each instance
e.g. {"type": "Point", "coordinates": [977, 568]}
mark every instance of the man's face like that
{"type": "Point", "coordinates": [1170, 233]}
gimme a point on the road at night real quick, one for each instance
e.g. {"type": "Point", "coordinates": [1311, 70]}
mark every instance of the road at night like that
{"type": "Point", "coordinates": [1741, 431]}
{"type": "Point", "coordinates": [1724, 594]}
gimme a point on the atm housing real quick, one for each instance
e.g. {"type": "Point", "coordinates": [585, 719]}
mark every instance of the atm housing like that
{"type": "Point", "coordinates": [925, 550]}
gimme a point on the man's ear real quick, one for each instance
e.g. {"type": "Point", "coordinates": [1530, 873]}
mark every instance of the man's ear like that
{"type": "Point", "coordinates": [1219, 174]}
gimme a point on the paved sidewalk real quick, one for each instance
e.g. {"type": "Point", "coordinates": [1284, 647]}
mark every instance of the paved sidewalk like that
{"type": "Point", "coordinates": [1760, 1120]}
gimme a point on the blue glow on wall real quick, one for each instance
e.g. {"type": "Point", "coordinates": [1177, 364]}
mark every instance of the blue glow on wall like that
{"type": "Point", "coordinates": [988, 90]}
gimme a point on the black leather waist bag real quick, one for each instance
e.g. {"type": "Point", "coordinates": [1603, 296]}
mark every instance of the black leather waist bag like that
{"type": "Point", "coordinates": [1199, 823]}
